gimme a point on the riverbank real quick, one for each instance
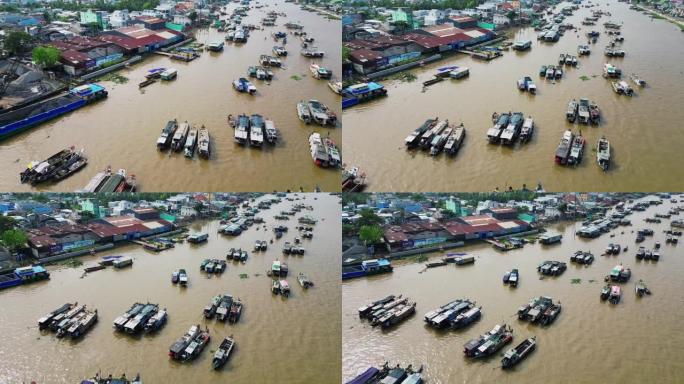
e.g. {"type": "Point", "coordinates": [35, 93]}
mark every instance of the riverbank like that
{"type": "Point", "coordinates": [677, 22]}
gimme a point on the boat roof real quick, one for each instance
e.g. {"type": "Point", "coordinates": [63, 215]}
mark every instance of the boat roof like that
{"type": "Point", "coordinates": [363, 88]}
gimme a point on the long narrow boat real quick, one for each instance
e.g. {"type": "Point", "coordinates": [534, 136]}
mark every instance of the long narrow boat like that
{"type": "Point", "coordinates": [44, 321]}
{"type": "Point", "coordinates": [164, 140]}
{"type": "Point", "coordinates": [204, 148]}
{"type": "Point", "coordinates": [603, 153]}
{"type": "Point", "coordinates": [223, 352]}
{"type": "Point", "coordinates": [55, 168]}
{"type": "Point", "coordinates": [563, 149]}
{"type": "Point", "coordinates": [515, 355]}
{"type": "Point", "coordinates": [20, 119]}
{"type": "Point", "coordinates": [413, 139]}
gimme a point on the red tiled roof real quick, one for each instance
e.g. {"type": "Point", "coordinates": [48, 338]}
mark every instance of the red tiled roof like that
{"type": "Point", "coordinates": [395, 235]}
{"type": "Point", "coordinates": [144, 210]}
{"type": "Point", "coordinates": [503, 210]}
{"type": "Point", "coordinates": [462, 19]}
{"type": "Point", "coordinates": [380, 42]}
{"type": "Point", "coordinates": [63, 229]}
{"type": "Point", "coordinates": [106, 230]}
{"type": "Point", "coordinates": [428, 41]}
{"type": "Point", "coordinates": [74, 57]}
{"type": "Point", "coordinates": [124, 42]}
{"type": "Point", "coordinates": [122, 221]}
{"type": "Point", "coordinates": [442, 30]}
{"type": "Point", "coordinates": [365, 55]}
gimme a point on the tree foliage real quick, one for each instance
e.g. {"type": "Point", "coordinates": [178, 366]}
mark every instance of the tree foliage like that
{"type": "Point", "coordinates": [370, 234]}
{"type": "Point", "coordinates": [45, 56]}
{"type": "Point", "coordinates": [14, 239]}
{"type": "Point", "coordinates": [6, 223]}
{"type": "Point", "coordinates": [17, 42]}
{"type": "Point", "coordinates": [369, 218]}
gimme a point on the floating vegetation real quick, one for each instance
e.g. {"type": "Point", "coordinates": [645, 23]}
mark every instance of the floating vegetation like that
{"type": "Point", "coordinates": [584, 78]}
{"type": "Point", "coordinates": [296, 77]}
{"type": "Point", "coordinates": [421, 258]}
{"type": "Point", "coordinates": [114, 78]}
{"type": "Point", "coordinates": [575, 281]}
{"type": "Point", "coordinates": [244, 276]}
{"type": "Point", "coordinates": [71, 263]}
{"type": "Point", "coordinates": [404, 76]}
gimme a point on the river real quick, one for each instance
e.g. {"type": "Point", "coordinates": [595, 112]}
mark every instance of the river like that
{"type": "Point", "coordinates": [643, 130]}
{"type": "Point", "coordinates": [121, 131]}
{"type": "Point", "coordinates": [591, 341]}
{"type": "Point", "coordinates": [295, 340]}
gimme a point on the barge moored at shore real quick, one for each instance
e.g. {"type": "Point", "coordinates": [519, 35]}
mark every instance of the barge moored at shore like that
{"type": "Point", "coordinates": [18, 120]}
{"type": "Point", "coordinates": [360, 93]}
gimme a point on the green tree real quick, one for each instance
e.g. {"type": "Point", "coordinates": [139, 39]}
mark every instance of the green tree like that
{"type": "Point", "coordinates": [345, 53]}
{"type": "Point", "coordinates": [14, 239]}
{"type": "Point", "coordinates": [40, 197]}
{"type": "Point", "coordinates": [348, 229]}
{"type": "Point", "coordinates": [17, 42]}
{"type": "Point", "coordinates": [368, 218]}
{"type": "Point", "coordinates": [193, 16]}
{"type": "Point", "coordinates": [370, 234]}
{"type": "Point", "coordinates": [6, 223]}
{"type": "Point", "coordinates": [47, 17]}
{"type": "Point", "coordinates": [45, 56]}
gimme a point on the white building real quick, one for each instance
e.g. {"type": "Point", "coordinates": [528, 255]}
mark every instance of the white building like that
{"type": "Point", "coordinates": [501, 19]}
{"type": "Point", "coordinates": [182, 20]}
{"type": "Point", "coordinates": [433, 17]}
{"type": "Point", "coordinates": [119, 18]}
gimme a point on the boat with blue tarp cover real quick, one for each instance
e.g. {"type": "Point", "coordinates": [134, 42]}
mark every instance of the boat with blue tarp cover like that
{"type": "Point", "coordinates": [366, 268]}
{"type": "Point", "coordinates": [23, 275]}
{"type": "Point", "coordinates": [359, 93]}
{"type": "Point", "coordinates": [17, 120]}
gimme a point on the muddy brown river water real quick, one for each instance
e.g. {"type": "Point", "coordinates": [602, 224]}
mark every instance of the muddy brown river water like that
{"type": "Point", "coordinates": [643, 130]}
{"type": "Point", "coordinates": [295, 340]}
{"type": "Point", "coordinates": [591, 341]}
{"type": "Point", "coordinates": [122, 130]}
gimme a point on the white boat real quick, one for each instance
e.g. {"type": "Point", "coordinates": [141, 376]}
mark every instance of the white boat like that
{"type": "Point", "coordinates": [303, 112]}
{"type": "Point", "coordinates": [271, 131]}
{"type": "Point", "coordinates": [169, 74]}
{"type": "Point", "coordinates": [241, 135]}
{"type": "Point", "coordinates": [319, 152]}
{"type": "Point", "coordinates": [527, 130]}
{"type": "Point", "coordinates": [243, 85]}
{"type": "Point", "coordinates": [622, 88]}
{"type": "Point", "coordinates": [204, 143]}
{"type": "Point", "coordinates": [191, 143]}
{"type": "Point", "coordinates": [180, 136]}
{"type": "Point", "coordinates": [320, 72]}
{"type": "Point", "coordinates": [256, 136]}
{"type": "Point", "coordinates": [459, 73]}
{"type": "Point", "coordinates": [638, 80]}
{"type": "Point", "coordinates": [122, 262]}
{"type": "Point", "coordinates": [335, 86]}
{"type": "Point", "coordinates": [603, 153]}
{"type": "Point", "coordinates": [215, 46]}
{"type": "Point", "coordinates": [320, 113]}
